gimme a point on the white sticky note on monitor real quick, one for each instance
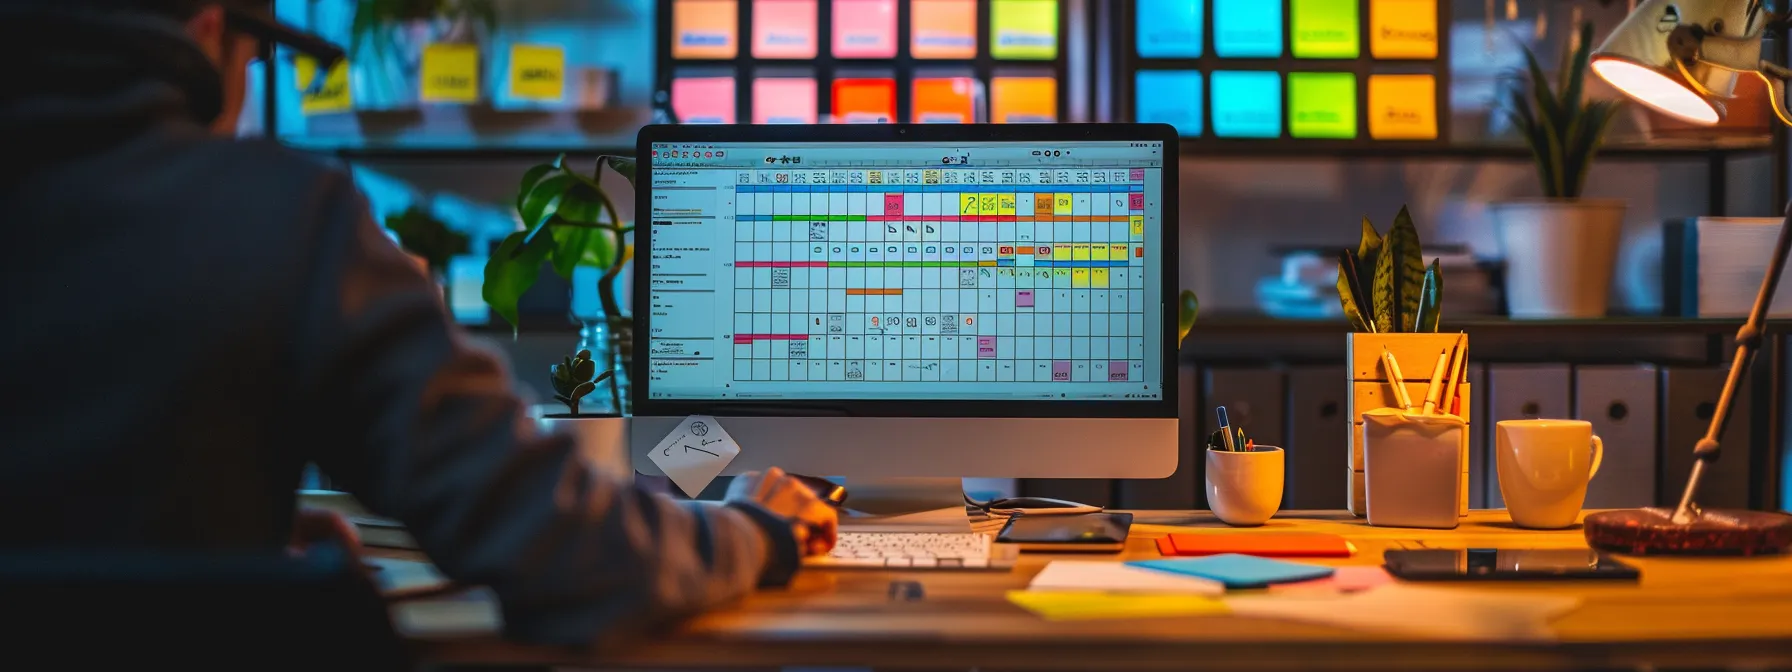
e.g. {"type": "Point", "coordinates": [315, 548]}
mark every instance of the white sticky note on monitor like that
{"type": "Point", "coordinates": [696, 451]}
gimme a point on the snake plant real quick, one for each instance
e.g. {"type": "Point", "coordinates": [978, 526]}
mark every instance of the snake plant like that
{"type": "Point", "coordinates": [1563, 131]}
{"type": "Point", "coordinates": [1406, 295]}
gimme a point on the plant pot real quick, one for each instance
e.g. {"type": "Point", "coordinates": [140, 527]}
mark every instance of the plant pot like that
{"type": "Point", "coordinates": [1245, 488]}
{"type": "Point", "coordinates": [1560, 255]}
{"type": "Point", "coordinates": [1369, 390]}
{"type": "Point", "coordinates": [603, 439]}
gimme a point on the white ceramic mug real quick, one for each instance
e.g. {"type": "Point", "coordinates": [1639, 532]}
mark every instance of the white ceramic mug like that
{"type": "Point", "coordinates": [1245, 488]}
{"type": "Point", "coordinates": [1544, 468]}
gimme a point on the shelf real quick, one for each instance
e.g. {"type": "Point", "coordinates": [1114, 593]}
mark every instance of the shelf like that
{"type": "Point", "coordinates": [1245, 149]}
{"type": "Point", "coordinates": [477, 131]}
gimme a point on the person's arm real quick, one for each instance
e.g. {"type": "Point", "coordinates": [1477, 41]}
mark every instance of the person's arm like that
{"type": "Point", "coordinates": [424, 428]}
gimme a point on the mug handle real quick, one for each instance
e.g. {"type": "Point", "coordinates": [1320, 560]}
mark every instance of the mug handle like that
{"type": "Point", "coordinates": [1598, 454]}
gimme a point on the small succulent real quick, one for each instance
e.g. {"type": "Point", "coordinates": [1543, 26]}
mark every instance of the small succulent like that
{"type": "Point", "coordinates": [1405, 296]}
{"type": "Point", "coordinates": [575, 378]}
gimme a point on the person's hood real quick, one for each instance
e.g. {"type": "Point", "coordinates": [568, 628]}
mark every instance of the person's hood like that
{"type": "Point", "coordinates": [80, 82]}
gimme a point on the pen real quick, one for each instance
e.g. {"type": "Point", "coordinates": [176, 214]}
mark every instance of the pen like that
{"type": "Point", "coordinates": [1437, 381]}
{"type": "Point", "coordinates": [1453, 376]}
{"type": "Point", "coordinates": [1225, 429]}
{"type": "Point", "coordinates": [1397, 380]}
{"type": "Point", "coordinates": [1456, 386]}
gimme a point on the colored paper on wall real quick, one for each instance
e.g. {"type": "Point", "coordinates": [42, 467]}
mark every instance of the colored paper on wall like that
{"type": "Point", "coordinates": [1403, 107]}
{"type": "Point", "coordinates": [1171, 97]}
{"type": "Point", "coordinates": [864, 28]}
{"type": "Point", "coordinates": [1015, 100]}
{"type": "Point", "coordinates": [784, 100]}
{"type": "Point", "coordinates": [1247, 29]}
{"type": "Point", "coordinates": [1247, 104]}
{"type": "Point", "coordinates": [1170, 28]}
{"type": "Point", "coordinates": [704, 28]}
{"type": "Point", "coordinates": [1403, 28]}
{"type": "Point", "coordinates": [1325, 28]}
{"type": "Point", "coordinates": [784, 29]}
{"type": "Point", "coordinates": [703, 100]}
{"type": "Point", "coordinates": [864, 101]}
{"type": "Point", "coordinates": [945, 100]}
{"type": "Point", "coordinates": [1322, 104]}
{"type": "Point", "coordinates": [1023, 29]}
{"type": "Point", "coordinates": [538, 72]}
{"type": "Point", "coordinates": [450, 73]}
{"type": "Point", "coordinates": [943, 29]}
{"type": "Point", "coordinates": [331, 95]}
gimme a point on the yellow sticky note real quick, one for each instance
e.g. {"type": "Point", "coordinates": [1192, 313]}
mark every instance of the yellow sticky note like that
{"type": "Point", "coordinates": [1403, 107]}
{"type": "Point", "coordinates": [450, 73]}
{"type": "Point", "coordinates": [1079, 252]}
{"type": "Point", "coordinates": [1060, 253]}
{"type": "Point", "coordinates": [333, 96]}
{"type": "Point", "coordinates": [988, 204]}
{"type": "Point", "coordinates": [1076, 605]}
{"type": "Point", "coordinates": [967, 204]}
{"type": "Point", "coordinates": [1138, 226]}
{"type": "Point", "coordinates": [1007, 205]}
{"type": "Point", "coordinates": [538, 72]}
{"type": "Point", "coordinates": [1098, 253]}
{"type": "Point", "coordinates": [1117, 252]}
{"type": "Point", "coordinates": [1098, 278]}
{"type": "Point", "coordinates": [1079, 278]}
{"type": "Point", "coordinates": [1403, 28]}
{"type": "Point", "coordinates": [1061, 204]}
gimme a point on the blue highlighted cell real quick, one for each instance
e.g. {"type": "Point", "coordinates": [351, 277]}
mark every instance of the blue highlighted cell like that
{"type": "Point", "coordinates": [1247, 28]}
{"type": "Point", "coordinates": [1171, 97]}
{"type": "Point", "coordinates": [1170, 28]}
{"type": "Point", "coordinates": [1247, 104]}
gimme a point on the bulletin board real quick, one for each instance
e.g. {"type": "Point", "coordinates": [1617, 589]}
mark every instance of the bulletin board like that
{"type": "Point", "coordinates": [1296, 75]}
{"type": "Point", "coordinates": [862, 61]}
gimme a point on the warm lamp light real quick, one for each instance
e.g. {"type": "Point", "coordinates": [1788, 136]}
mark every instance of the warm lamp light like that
{"type": "Point", "coordinates": [1682, 58]}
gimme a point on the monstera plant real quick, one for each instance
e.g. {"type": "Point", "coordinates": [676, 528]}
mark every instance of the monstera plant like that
{"type": "Point", "coordinates": [1385, 286]}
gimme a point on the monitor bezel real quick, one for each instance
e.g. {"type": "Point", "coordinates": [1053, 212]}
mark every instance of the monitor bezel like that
{"type": "Point", "coordinates": [1165, 407]}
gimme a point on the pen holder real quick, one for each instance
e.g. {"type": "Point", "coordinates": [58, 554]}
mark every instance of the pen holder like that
{"type": "Point", "coordinates": [1244, 488]}
{"type": "Point", "coordinates": [1370, 390]}
{"type": "Point", "coordinates": [1412, 461]}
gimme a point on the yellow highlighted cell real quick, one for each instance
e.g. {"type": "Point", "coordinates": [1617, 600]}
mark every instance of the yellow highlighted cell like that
{"type": "Point", "coordinates": [1079, 278]}
{"type": "Point", "coordinates": [1061, 204]}
{"type": "Point", "coordinates": [967, 204]}
{"type": "Point", "coordinates": [1098, 278]}
{"type": "Point", "coordinates": [1007, 205]}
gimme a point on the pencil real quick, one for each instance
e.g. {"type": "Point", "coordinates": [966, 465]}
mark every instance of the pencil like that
{"type": "Point", "coordinates": [1458, 353]}
{"type": "Point", "coordinates": [1395, 379]}
{"type": "Point", "coordinates": [1436, 385]}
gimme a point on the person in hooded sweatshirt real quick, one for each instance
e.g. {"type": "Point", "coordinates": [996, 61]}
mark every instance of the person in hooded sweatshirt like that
{"type": "Point", "coordinates": [191, 318]}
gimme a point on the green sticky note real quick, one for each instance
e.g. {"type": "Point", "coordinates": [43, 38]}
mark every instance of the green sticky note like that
{"type": "Point", "coordinates": [1322, 104]}
{"type": "Point", "coordinates": [1325, 28]}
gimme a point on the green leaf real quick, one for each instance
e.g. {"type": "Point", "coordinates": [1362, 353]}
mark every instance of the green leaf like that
{"type": "Point", "coordinates": [1398, 273]}
{"type": "Point", "coordinates": [1369, 248]}
{"type": "Point", "coordinates": [601, 377]}
{"type": "Point", "coordinates": [508, 276]}
{"type": "Point", "coordinates": [623, 165]}
{"type": "Point", "coordinates": [582, 390]}
{"type": "Point", "coordinates": [1576, 65]}
{"type": "Point", "coordinates": [530, 179]}
{"type": "Point", "coordinates": [1352, 310]}
{"type": "Point", "coordinates": [1430, 301]}
{"type": "Point", "coordinates": [1548, 111]}
{"type": "Point", "coordinates": [1188, 308]}
{"type": "Point", "coordinates": [583, 370]}
{"type": "Point", "coordinates": [543, 200]}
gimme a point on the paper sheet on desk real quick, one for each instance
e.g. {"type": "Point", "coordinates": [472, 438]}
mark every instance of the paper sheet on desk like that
{"type": "Point", "coordinates": [1056, 605]}
{"type": "Point", "coordinates": [1443, 613]}
{"type": "Point", "coordinates": [1114, 577]}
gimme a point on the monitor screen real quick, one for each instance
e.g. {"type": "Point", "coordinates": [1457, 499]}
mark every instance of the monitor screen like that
{"type": "Point", "coordinates": [904, 271]}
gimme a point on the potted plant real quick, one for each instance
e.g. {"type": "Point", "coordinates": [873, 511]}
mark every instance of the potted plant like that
{"type": "Point", "coordinates": [1394, 303]}
{"type": "Point", "coordinates": [602, 437]}
{"type": "Point", "coordinates": [1561, 249]}
{"type": "Point", "coordinates": [423, 235]}
{"type": "Point", "coordinates": [387, 38]}
{"type": "Point", "coordinates": [569, 221]}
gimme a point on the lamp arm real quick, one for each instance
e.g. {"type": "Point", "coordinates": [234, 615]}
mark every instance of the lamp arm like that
{"type": "Point", "coordinates": [1748, 342]}
{"type": "Point", "coordinates": [1774, 76]}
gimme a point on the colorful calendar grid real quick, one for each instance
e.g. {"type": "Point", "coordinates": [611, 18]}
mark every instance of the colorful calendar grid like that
{"type": "Point", "coordinates": [940, 275]}
{"type": "Point", "coordinates": [704, 28]}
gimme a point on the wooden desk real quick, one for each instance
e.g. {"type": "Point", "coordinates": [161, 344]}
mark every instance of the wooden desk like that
{"type": "Point", "coordinates": [1704, 612]}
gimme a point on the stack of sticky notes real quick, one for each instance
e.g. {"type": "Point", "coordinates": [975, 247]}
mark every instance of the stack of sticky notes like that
{"type": "Point", "coordinates": [1068, 590]}
{"type": "Point", "coordinates": [1233, 570]}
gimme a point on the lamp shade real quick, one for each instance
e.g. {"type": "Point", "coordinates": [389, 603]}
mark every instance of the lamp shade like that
{"type": "Point", "coordinates": [1638, 57]}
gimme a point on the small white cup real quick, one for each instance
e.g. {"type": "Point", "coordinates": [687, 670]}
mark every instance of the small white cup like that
{"type": "Point", "coordinates": [1544, 467]}
{"type": "Point", "coordinates": [1245, 488]}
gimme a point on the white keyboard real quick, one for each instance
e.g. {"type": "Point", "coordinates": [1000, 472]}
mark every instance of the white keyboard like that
{"type": "Point", "coordinates": [917, 550]}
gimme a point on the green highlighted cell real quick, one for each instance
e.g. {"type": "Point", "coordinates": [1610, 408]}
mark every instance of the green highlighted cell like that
{"type": "Point", "coordinates": [1325, 28]}
{"type": "Point", "coordinates": [1322, 104]}
{"type": "Point", "coordinates": [813, 218]}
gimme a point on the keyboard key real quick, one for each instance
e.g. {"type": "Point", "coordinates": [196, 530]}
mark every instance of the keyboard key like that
{"type": "Point", "coordinates": [924, 562]}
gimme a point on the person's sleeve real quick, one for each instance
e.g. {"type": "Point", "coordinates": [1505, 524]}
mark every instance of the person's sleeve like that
{"type": "Point", "coordinates": [423, 427]}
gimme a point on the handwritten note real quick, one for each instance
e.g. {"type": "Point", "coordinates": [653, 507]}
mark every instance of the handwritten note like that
{"type": "Point", "coordinates": [333, 93]}
{"type": "Point", "coordinates": [695, 453]}
{"type": "Point", "coordinates": [450, 73]}
{"type": "Point", "coordinates": [538, 72]}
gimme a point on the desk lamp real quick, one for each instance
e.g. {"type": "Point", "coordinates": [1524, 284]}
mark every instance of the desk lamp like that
{"type": "Point", "coordinates": [1683, 59]}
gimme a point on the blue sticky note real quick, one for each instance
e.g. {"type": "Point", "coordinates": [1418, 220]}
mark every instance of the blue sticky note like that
{"type": "Point", "coordinates": [1247, 29]}
{"type": "Point", "coordinates": [1247, 104]}
{"type": "Point", "coordinates": [1171, 97]}
{"type": "Point", "coordinates": [1239, 571]}
{"type": "Point", "coordinates": [1170, 28]}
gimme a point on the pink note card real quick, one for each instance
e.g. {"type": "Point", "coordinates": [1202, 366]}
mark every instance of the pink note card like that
{"type": "Point", "coordinates": [1116, 371]}
{"type": "Point", "coordinates": [1023, 298]}
{"type": "Point", "coordinates": [703, 100]}
{"type": "Point", "coordinates": [986, 347]}
{"type": "Point", "coordinates": [1135, 201]}
{"type": "Point", "coordinates": [1060, 371]}
{"type": "Point", "coordinates": [1345, 580]}
{"type": "Point", "coordinates": [784, 100]}
{"type": "Point", "coordinates": [784, 29]}
{"type": "Point", "coordinates": [864, 28]}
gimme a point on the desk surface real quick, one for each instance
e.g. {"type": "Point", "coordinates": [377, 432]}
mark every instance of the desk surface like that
{"type": "Point", "coordinates": [1685, 611]}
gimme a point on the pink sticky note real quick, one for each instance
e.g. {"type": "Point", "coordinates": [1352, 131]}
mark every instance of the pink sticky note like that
{"type": "Point", "coordinates": [1345, 580]}
{"type": "Point", "coordinates": [703, 100]}
{"type": "Point", "coordinates": [784, 100]}
{"type": "Point", "coordinates": [864, 28]}
{"type": "Point", "coordinates": [784, 29]}
{"type": "Point", "coordinates": [1023, 298]}
{"type": "Point", "coordinates": [1135, 201]}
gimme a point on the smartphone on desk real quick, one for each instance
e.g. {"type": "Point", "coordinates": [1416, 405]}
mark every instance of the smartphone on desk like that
{"type": "Point", "coordinates": [1085, 533]}
{"type": "Point", "coordinates": [1507, 564]}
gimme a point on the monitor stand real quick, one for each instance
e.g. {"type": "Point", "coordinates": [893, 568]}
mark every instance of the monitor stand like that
{"type": "Point", "coordinates": [905, 505]}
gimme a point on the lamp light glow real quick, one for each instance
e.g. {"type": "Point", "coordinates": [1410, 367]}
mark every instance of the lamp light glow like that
{"type": "Point", "coordinates": [1656, 90]}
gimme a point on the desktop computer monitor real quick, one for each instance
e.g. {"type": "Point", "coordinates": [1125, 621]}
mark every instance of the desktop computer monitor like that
{"type": "Point", "coordinates": [911, 301]}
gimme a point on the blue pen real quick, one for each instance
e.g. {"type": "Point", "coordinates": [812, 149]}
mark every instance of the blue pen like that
{"type": "Point", "coordinates": [1225, 428]}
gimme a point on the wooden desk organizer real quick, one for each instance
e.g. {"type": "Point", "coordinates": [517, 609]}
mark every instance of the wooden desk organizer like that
{"type": "Point", "coordinates": [1369, 388]}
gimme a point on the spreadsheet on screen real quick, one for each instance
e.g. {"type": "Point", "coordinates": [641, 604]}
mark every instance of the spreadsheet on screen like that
{"type": "Point", "coordinates": [903, 271]}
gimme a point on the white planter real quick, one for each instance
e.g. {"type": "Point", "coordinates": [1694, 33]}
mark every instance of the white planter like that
{"type": "Point", "coordinates": [603, 440]}
{"type": "Point", "coordinates": [1245, 488]}
{"type": "Point", "coordinates": [1560, 255]}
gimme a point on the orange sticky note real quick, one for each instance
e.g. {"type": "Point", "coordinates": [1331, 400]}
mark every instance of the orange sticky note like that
{"type": "Point", "coordinates": [703, 100]}
{"type": "Point", "coordinates": [784, 29]}
{"type": "Point", "coordinates": [1403, 28]}
{"type": "Point", "coordinates": [1015, 100]}
{"type": "Point", "coordinates": [945, 100]}
{"type": "Point", "coordinates": [943, 29]}
{"type": "Point", "coordinates": [864, 101]}
{"type": "Point", "coordinates": [704, 28]}
{"type": "Point", "coordinates": [784, 100]}
{"type": "Point", "coordinates": [1403, 107]}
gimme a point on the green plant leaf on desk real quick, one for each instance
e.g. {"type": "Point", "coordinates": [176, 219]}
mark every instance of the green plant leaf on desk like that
{"type": "Point", "coordinates": [1187, 309]}
{"type": "Point", "coordinates": [625, 166]}
{"type": "Point", "coordinates": [511, 270]}
{"type": "Point", "coordinates": [1347, 298]}
{"type": "Point", "coordinates": [578, 240]}
{"type": "Point", "coordinates": [1369, 249]}
{"type": "Point", "coordinates": [1430, 301]}
{"type": "Point", "coordinates": [1399, 272]}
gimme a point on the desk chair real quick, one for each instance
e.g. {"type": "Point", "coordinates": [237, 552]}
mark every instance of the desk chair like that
{"type": "Point", "coordinates": [137, 609]}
